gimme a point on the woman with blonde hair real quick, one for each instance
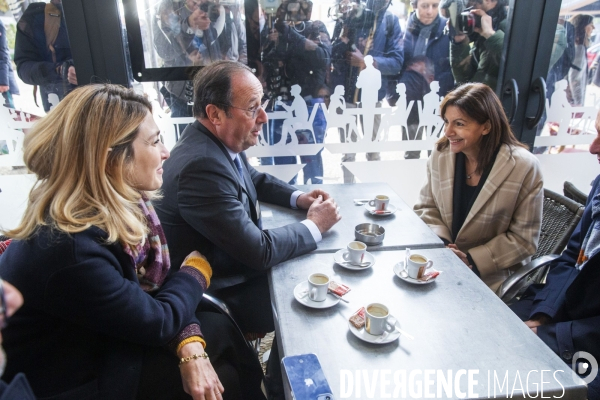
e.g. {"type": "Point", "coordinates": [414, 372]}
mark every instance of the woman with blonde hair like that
{"type": "Point", "coordinates": [103, 318]}
{"type": "Point", "coordinates": [483, 195]}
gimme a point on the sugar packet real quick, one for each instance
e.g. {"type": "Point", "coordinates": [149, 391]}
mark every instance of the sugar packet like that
{"type": "Point", "coordinates": [338, 288]}
{"type": "Point", "coordinates": [358, 318]}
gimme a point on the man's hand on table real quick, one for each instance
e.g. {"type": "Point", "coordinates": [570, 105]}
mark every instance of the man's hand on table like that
{"type": "Point", "coordinates": [324, 213]}
{"type": "Point", "coordinates": [305, 200]}
{"type": "Point", "coordinates": [537, 320]}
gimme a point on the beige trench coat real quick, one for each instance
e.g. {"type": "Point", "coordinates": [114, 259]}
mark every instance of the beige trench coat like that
{"type": "Point", "coordinates": [502, 228]}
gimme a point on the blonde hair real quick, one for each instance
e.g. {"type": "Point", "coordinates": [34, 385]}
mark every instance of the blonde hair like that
{"type": "Point", "coordinates": [82, 155]}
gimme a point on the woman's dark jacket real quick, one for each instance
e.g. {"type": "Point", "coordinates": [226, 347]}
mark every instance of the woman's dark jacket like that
{"type": "Point", "coordinates": [85, 322]}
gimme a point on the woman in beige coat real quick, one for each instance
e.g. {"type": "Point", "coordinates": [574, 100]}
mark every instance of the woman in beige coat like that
{"type": "Point", "coordinates": [484, 194]}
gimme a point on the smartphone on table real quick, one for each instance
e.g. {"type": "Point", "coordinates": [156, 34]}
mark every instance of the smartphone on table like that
{"type": "Point", "coordinates": [306, 378]}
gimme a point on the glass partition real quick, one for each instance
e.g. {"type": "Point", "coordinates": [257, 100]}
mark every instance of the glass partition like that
{"type": "Point", "coordinates": [572, 98]}
{"type": "Point", "coordinates": [352, 87]}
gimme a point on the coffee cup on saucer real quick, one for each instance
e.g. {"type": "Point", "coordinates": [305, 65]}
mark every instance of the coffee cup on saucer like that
{"type": "Point", "coordinates": [318, 284]}
{"type": "Point", "coordinates": [376, 319]}
{"type": "Point", "coordinates": [355, 252]}
{"type": "Point", "coordinates": [380, 202]}
{"type": "Point", "coordinates": [416, 265]}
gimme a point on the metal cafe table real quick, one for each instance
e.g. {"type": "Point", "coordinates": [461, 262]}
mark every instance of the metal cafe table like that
{"type": "Point", "coordinates": [463, 334]}
{"type": "Point", "coordinates": [402, 229]}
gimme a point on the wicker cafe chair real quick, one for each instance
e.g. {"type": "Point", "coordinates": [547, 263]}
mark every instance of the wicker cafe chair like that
{"type": "Point", "coordinates": [573, 193]}
{"type": "Point", "coordinates": [559, 219]}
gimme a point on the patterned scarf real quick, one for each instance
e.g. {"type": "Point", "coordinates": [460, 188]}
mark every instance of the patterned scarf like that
{"type": "Point", "coordinates": [591, 243]}
{"type": "Point", "coordinates": [151, 258]}
{"type": "Point", "coordinates": [423, 33]}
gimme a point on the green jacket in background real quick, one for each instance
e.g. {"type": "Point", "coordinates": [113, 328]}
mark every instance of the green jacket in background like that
{"type": "Point", "coordinates": [479, 62]}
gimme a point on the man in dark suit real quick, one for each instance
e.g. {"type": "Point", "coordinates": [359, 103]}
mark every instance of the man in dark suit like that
{"type": "Point", "coordinates": [212, 194]}
{"type": "Point", "coordinates": [565, 312]}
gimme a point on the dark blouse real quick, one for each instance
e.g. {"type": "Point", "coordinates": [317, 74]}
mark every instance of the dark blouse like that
{"type": "Point", "coordinates": [464, 196]}
{"type": "Point", "coordinates": [468, 194]}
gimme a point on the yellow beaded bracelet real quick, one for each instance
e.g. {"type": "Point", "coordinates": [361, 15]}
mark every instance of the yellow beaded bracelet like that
{"type": "Point", "coordinates": [193, 357]}
{"type": "Point", "coordinates": [191, 339]}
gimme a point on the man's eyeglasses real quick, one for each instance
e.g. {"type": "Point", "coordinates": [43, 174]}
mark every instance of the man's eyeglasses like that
{"type": "Point", "coordinates": [253, 111]}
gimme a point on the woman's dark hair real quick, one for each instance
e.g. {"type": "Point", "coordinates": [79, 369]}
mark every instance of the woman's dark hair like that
{"type": "Point", "coordinates": [480, 103]}
{"type": "Point", "coordinates": [579, 22]}
{"type": "Point", "coordinates": [212, 85]}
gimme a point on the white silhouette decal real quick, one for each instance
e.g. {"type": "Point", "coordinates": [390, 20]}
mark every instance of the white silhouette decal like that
{"type": "Point", "coordinates": [297, 118]}
{"type": "Point", "coordinates": [369, 81]}
{"type": "Point", "coordinates": [336, 115]}
{"type": "Point", "coordinates": [429, 114]}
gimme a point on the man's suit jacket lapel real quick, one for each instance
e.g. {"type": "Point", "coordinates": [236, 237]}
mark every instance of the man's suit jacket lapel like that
{"type": "Point", "coordinates": [247, 187]}
{"type": "Point", "coordinates": [251, 190]}
{"type": "Point", "coordinates": [502, 168]}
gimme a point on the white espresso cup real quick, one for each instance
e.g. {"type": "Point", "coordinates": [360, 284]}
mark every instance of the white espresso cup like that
{"type": "Point", "coordinates": [318, 284]}
{"type": "Point", "coordinates": [355, 252]}
{"type": "Point", "coordinates": [376, 319]}
{"type": "Point", "coordinates": [417, 264]}
{"type": "Point", "coordinates": [380, 202]}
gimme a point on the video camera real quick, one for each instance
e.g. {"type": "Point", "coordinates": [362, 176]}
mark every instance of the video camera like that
{"type": "Point", "coordinates": [461, 19]}
{"type": "Point", "coordinates": [355, 20]}
{"type": "Point", "coordinates": [282, 14]}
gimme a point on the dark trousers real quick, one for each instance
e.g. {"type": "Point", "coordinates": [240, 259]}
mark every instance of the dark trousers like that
{"type": "Point", "coordinates": [523, 309]}
{"type": "Point", "coordinates": [180, 109]}
{"type": "Point", "coordinates": [8, 99]}
{"type": "Point", "coordinates": [236, 365]}
{"type": "Point", "coordinates": [313, 169]}
{"type": "Point", "coordinates": [250, 304]}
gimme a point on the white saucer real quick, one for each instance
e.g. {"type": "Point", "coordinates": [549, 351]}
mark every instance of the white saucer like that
{"type": "Point", "coordinates": [362, 334]}
{"type": "Point", "coordinates": [389, 211]}
{"type": "Point", "coordinates": [339, 259]}
{"type": "Point", "coordinates": [329, 301]}
{"type": "Point", "coordinates": [401, 273]}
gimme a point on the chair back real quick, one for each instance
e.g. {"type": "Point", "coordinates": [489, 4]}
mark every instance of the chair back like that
{"type": "Point", "coordinates": [574, 194]}
{"type": "Point", "coordinates": [560, 217]}
{"type": "Point", "coordinates": [213, 304]}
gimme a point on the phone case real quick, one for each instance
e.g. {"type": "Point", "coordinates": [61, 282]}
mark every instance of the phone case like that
{"type": "Point", "coordinates": [306, 378]}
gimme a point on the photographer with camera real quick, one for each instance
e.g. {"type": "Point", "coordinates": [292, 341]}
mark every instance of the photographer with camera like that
{"type": "Point", "coordinates": [483, 24]}
{"type": "Point", "coordinates": [196, 33]}
{"type": "Point", "coordinates": [364, 29]}
{"type": "Point", "coordinates": [180, 30]}
{"type": "Point", "coordinates": [296, 51]}
{"type": "Point", "coordinates": [43, 52]}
